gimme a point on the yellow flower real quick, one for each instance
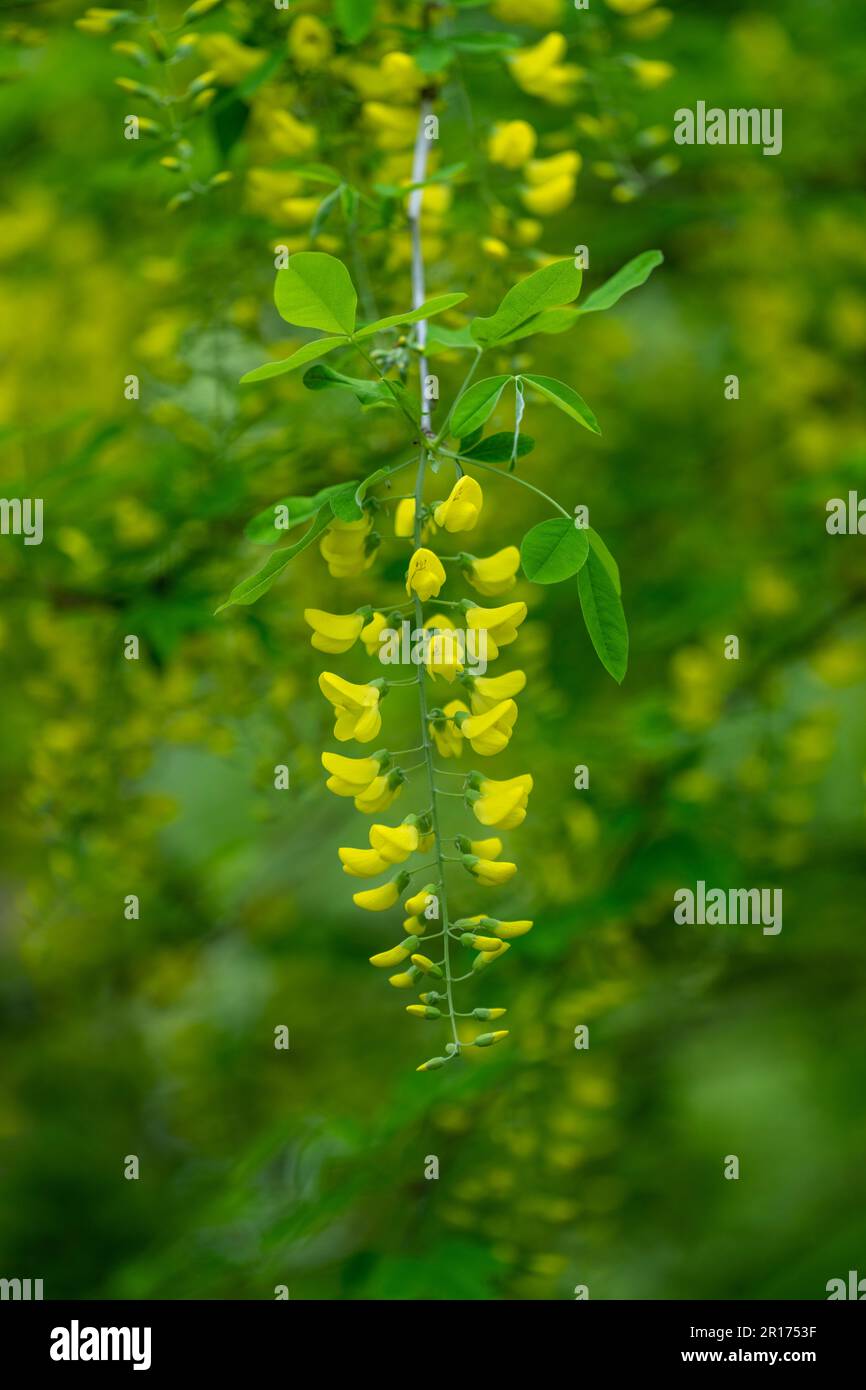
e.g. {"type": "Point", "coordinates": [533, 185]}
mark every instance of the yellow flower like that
{"type": "Point", "coordinates": [405, 980]}
{"type": "Point", "coordinates": [229, 61]}
{"type": "Point", "coordinates": [267, 189]}
{"type": "Point", "coordinates": [425, 964]}
{"type": "Point", "coordinates": [349, 776]}
{"type": "Point", "coordinates": [426, 575]}
{"type": "Point", "coordinates": [393, 126]}
{"type": "Point", "coordinates": [310, 43]}
{"type": "Point", "coordinates": [356, 708]}
{"type": "Point", "coordinates": [540, 171]}
{"type": "Point", "coordinates": [494, 248]}
{"type": "Point", "coordinates": [444, 651]}
{"type": "Point", "coordinates": [344, 547]}
{"type": "Point", "coordinates": [493, 574]}
{"type": "Point", "coordinates": [543, 14]}
{"type": "Point", "coordinates": [333, 632]}
{"type": "Point", "coordinates": [486, 849]}
{"type": "Point", "coordinates": [549, 198]}
{"type": "Point", "coordinates": [500, 624]}
{"type": "Point", "coordinates": [487, 691]}
{"type": "Point", "coordinates": [462, 507]}
{"type": "Point", "coordinates": [511, 144]}
{"type": "Point", "coordinates": [394, 843]}
{"type": "Point", "coordinates": [297, 212]}
{"type": "Point", "coordinates": [380, 793]}
{"type": "Point", "coordinates": [509, 930]}
{"type": "Point", "coordinates": [417, 904]}
{"type": "Point", "coordinates": [501, 805]}
{"type": "Point", "coordinates": [651, 74]}
{"type": "Point", "coordinates": [362, 863]}
{"type": "Point", "coordinates": [397, 954]}
{"type": "Point", "coordinates": [490, 732]}
{"type": "Point", "coordinates": [370, 633]}
{"type": "Point", "coordinates": [540, 71]}
{"type": "Point", "coordinates": [629, 6]}
{"type": "Point", "coordinates": [381, 898]}
{"type": "Point", "coordinates": [528, 230]}
{"type": "Point", "coordinates": [288, 136]}
{"type": "Point", "coordinates": [491, 872]}
{"type": "Point", "coordinates": [404, 517]}
{"type": "Point", "coordinates": [445, 733]}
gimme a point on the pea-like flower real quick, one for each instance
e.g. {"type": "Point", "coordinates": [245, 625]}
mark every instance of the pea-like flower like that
{"type": "Point", "coordinates": [426, 575]}
{"type": "Point", "coordinates": [362, 863]}
{"type": "Point", "coordinates": [445, 732]}
{"type": "Point", "coordinates": [371, 631]}
{"type": "Point", "coordinates": [356, 707]}
{"type": "Point", "coordinates": [381, 898]}
{"type": "Point", "coordinates": [511, 144]}
{"type": "Point", "coordinates": [491, 872]}
{"type": "Point", "coordinates": [489, 732]}
{"type": "Point", "coordinates": [310, 43]}
{"type": "Point", "coordinates": [348, 547]}
{"type": "Point", "coordinates": [443, 657]}
{"type": "Point", "coordinates": [493, 574]}
{"type": "Point", "coordinates": [540, 71]}
{"type": "Point", "coordinates": [417, 905]}
{"type": "Point", "coordinates": [487, 691]}
{"type": "Point", "coordinates": [386, 960]}
{"type": "Point", "coordinates": [500, 624]}
{"type": "Point", "coordinates": [381, 792]}
{"type": "Point", "coordinates": [333, 632]}
{"type": "Point", "coordinates": [500, 805]}
{"type": "Point", "coordinates": [462, 507]}
{"type": "Point", "coordinates": [349, 776]}
{"type": "Point", "coordinates": [394, 843]}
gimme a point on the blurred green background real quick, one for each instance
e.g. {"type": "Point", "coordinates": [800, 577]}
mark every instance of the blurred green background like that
{"type": "Point", "coordinates": [155, 1037]}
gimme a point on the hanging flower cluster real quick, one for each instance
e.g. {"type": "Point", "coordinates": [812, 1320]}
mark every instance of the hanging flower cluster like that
{"type": "Point", "coordinates": [409, 867]}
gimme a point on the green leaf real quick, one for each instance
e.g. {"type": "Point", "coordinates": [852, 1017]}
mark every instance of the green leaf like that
{"type": "Point", "coordinates": [566, 399]}
{"type": "Point", "coordinates": [304, 354]}
{"type": "Point", "coordinates": [324, 378]}
{"type": "Point", "coordinates": [442, 339]}
{"type": "Point", "coordinates": [635, 273]}
{"type": "Point", "coordinates": [603, 615]}
{"type": "Point", "coordinates": [355, 18]}
{"type": "Point", "coordinates": [438, 305]}
{"type": "Point", "coordinates": [259, 583]}
{"type": "Point", "coordinates": [605, 556]}
{"type": "Point", "coordinates": [554, 550]}
{"type": "Point", "coordinates": [344, 504]}
{"type": "Point", "coordinates": [548, 321]}
{"type": "Point", "coordinates": [545, 289]}
{"type": "Point", "coordinates": [476, 404]}
{"type": "Point", "coordinates": [315, 291]}
{"type": "Point", "coordinates": [263, 530]}
{"type": "Point", "coordinates": [498, 448]}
